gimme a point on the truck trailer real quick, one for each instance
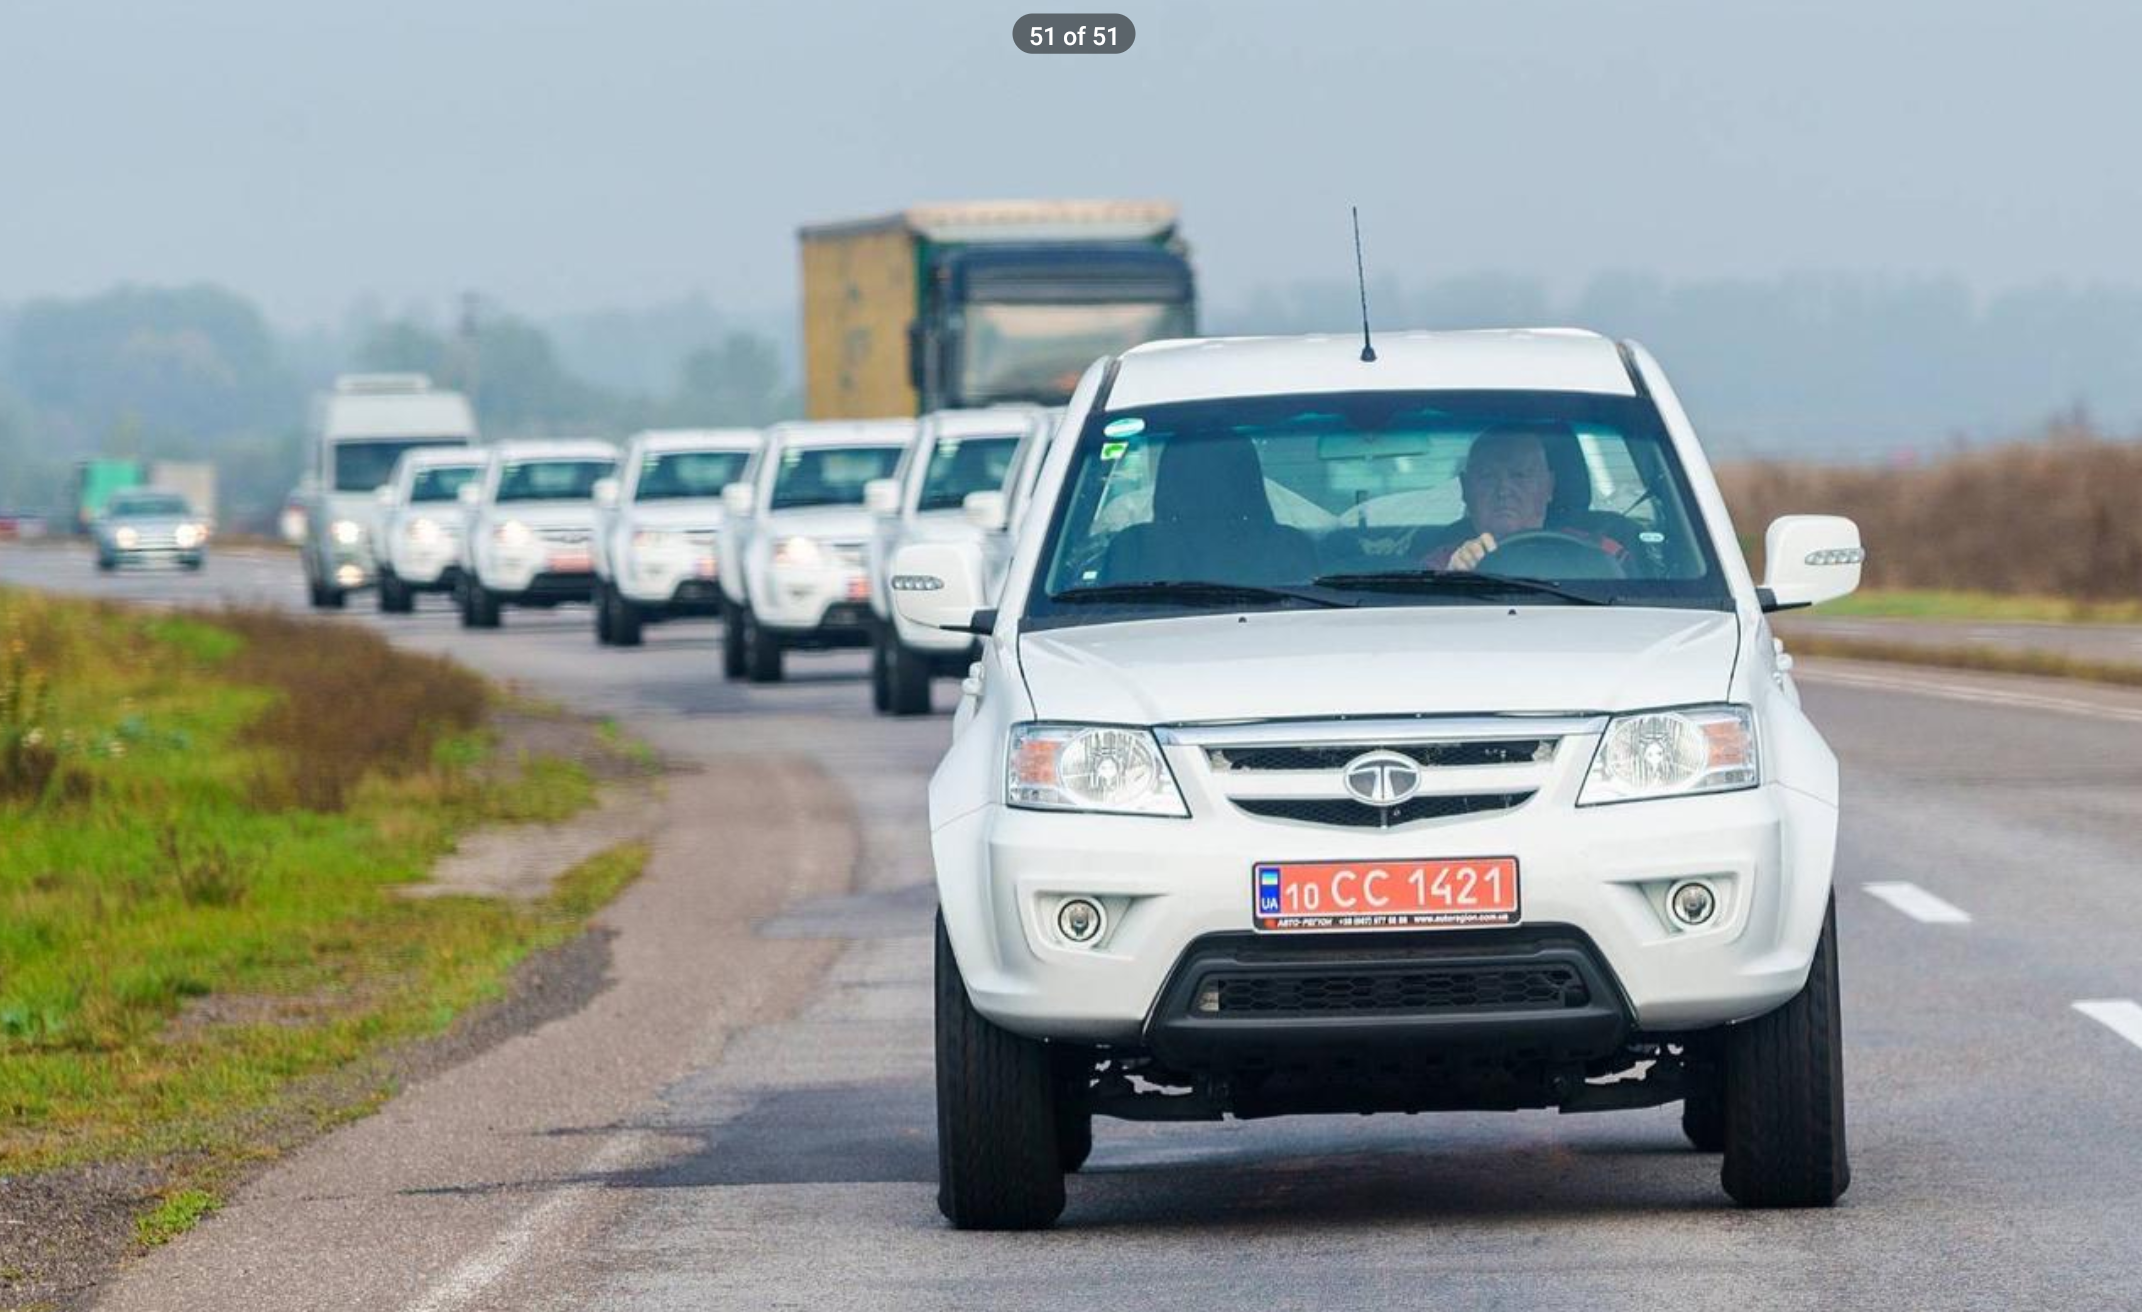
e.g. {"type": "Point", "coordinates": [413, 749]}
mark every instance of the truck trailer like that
{"type": "Point", "coordinates": [955, 306]}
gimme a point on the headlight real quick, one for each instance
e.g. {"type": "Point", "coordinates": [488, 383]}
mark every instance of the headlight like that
{"type": "Point", "coordinates": [798, 551]}
{"type": "Point", "coordinates": [425, 531]}
{"type": "Point", "coordinates": [346, 532]}
{"type": "Point", "coordinates": [189, 535]}
{"type": "Point", "coordinates": [1698, 749]}
{"type": "Point", "coordinates": [654, 539]}
{"type": "Point", "coordinates": [1076, 767]}
{"type": "Point", "coordinates": [126, 537]}
{"type": "Point", "coordinates": [513, 533]}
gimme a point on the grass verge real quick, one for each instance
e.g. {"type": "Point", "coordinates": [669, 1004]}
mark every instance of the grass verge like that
{"type": "Point", "coordinates": [1980, 607]}
{"type": "Point", "coordinates": [1990, 660]}
{"type": "Point", "coordinates": [206, 819]}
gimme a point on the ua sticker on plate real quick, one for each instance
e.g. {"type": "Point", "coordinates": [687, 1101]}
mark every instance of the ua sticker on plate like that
{"type": "Point", "coordinates": [1467, 893]}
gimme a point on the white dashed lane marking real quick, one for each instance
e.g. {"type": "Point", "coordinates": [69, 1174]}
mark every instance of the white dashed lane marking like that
{"type": "Point", "coordinates": [2123, 1016]}
{"type": "Point", "coordinates": [1919, 904]}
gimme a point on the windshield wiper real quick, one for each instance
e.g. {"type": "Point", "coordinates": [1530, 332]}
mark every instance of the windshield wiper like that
{"type": "Point", "coordinates": [1190, 590]}
{"type": "Point", "coordinates": [1453, 580]}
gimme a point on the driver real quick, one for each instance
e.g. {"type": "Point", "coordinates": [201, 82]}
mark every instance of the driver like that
{"type": "Point", "coordinates": [1508, 485]}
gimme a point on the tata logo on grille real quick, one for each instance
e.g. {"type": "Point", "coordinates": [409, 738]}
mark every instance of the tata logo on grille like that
{"type": "Point", "coordinates": [1382, 778]}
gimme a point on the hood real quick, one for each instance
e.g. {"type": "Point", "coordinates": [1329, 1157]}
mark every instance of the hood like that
{"type": "Point", "coordinates": [681, 513]}
{"type": "Point", "coordinates": [941, 526]}
{"type": "Point", "coordinates": [1400, 660]}
{"type": "Point", "coordinates": [840, 523]}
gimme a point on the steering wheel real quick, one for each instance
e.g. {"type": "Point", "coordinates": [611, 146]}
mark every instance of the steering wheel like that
{"type": "Point", "coordinates": [1552, 554]}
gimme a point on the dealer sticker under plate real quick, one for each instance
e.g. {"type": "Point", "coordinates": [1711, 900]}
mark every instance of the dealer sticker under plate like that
{"type": "Point", "coordinates": [1466, 893]}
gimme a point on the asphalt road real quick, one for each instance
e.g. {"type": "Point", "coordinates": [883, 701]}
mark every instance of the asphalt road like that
{"type": "Point", "coordinates": [2111, 644]}
{"type": "Point", "coordinates": [743, 1120]}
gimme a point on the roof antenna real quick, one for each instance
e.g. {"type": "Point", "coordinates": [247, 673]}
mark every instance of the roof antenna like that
{"type": "Point", "coordinates": [1368, 349]}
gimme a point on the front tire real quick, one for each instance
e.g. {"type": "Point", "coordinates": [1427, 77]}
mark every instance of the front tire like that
{"type": "Point", "coordinates": [762, 652]}
{"type": "Point", "coordinates": [479, 606]}
{"type": "Point", "coordinates": [907, 679]}
{"type": "Point", "coordinates": [999, 1155]}
{"type": "Point", "coordinates": [626, 624]}
{"type": "Point", "coordinates": [395, 596]}
{"type": "Point", "coordinates": [732, 642]}
{"type": "Point", "coordinates": [603, 630]}
{"type": "Point", "coordinates": [1784, 1095]}
{"type": "Point", "coordinates": [881, 638]}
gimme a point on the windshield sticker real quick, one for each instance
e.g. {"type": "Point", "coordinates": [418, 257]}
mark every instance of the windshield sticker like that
{"type": "Point", "coordinates": [1651, 535]}
{"type": "Point", "coordinates": [1123, 428]}
{"type": "Point", "coordinates": [1113, 450]}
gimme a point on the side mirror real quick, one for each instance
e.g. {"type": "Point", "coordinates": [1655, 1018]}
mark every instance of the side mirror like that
{"type": "Point", "coordinates": [1810, 559]}
{"type": "Point", "coordinates": [469, 494]}
{"type": "Point", "coordinates": [384, 494]}
{"type": "Point", "coordinates": [606, 493]}
{"type": "Point", "coordinates": [737, 499]}
{"type": "Point", "coordinates": [881, 497]}
{"type": "Point", "coordinates": [938, 585]}
{"type": "Point", "coordinates": [987, 511]}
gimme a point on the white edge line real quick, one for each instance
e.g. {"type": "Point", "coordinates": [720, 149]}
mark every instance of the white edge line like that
{"type": "Point", "coordinates": [1917, 903]}
{"type": "Point", "coordinates": [2123, 1016]}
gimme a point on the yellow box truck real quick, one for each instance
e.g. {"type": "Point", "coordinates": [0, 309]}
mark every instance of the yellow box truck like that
{"type": "Point", "coordinates": [975, 303]}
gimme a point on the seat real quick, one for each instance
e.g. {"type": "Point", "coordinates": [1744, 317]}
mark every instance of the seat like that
{"type": "Point", "coordinates": [1212, 522]}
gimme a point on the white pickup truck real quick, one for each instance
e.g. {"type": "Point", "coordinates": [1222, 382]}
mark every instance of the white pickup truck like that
{"type": "Point", "coordinates": [793, 541]}
{"type": "Point", "coordinates": [954, 485]}
{"type": "Point", "coordinates": [658, 528]}
{"type": "Point", "coordinates": [419, 545]}
{"type": "Point", "coordinates": [1392, 734]}
{"type": "Point", "coordinates": [529, 526]}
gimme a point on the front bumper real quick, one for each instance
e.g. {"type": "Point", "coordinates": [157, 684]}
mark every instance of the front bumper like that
{"type": "Point", "coordinates": [1598, 872]}
{"type": "Point", "coordinates": [685, 583]}
{"type": "Point", "coordinates": [802, 598]}
{"type": "Point", "coordinates": [427, 566]}
{"type": "Point", "coordinates": [549, 589]}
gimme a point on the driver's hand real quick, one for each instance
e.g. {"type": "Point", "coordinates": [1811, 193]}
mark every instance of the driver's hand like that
{"type": "Point", "coordinates": [1470, 554]}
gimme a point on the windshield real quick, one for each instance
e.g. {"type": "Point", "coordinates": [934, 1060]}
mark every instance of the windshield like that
{"type": "Point", "coordinates": [441, 482]}
{"type": "Point", "coordinates": [552, 480]}
{"type": "Point", "coordinates": [1037, 352]}
{"type": "Point", "coordinates": [668, 475]}
{"type": "Point", "coordinates": [363, 466]}
{"type": "Point", "coordinates": [160, 503]}
{"type": "Point", "coordinates": [1391, 498]}
{"type": "Point", "coordinates": [829, 475]}
{"type": "Point", "coordinates": [959, 465]}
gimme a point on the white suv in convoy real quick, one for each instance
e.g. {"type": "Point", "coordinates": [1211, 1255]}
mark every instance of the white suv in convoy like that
{"type": "Point", "coordinates": [658, 526]}
{"type": "Point", "coordinates": [530, 526]}
{"type": "Point", "coordinates": [1364, 734]}
{"type": "Point", "coordinates": [419, 545]}
{"type": "Point", "coordinates": [793, 541]}
{"type": "Point", "coordinates": [953, 486]}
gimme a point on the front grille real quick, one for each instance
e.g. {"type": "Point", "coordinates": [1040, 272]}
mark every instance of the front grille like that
{"type": "Point", "coordinates": [1359, 815]}
{"type": "Point", "coordinates": [1421, 990]}
{"type": "Point", "coordinates": [847, 553]}
{"type": "Point", "coordinates": [565, 537]}
{"type": "Point", "coordinates": [1514, 751]}
{"type": "Point", "coordinates": [707, 538]}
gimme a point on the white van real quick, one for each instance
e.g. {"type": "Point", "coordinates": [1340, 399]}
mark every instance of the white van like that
{"type": "Point", "coordinates": [361, 429]}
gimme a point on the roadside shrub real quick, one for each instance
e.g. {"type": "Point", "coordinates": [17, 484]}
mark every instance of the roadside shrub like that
{"type": "Point", "coordinates": [28, 757]}
{"type": "Point", "coordinates": [349, 705]}
{"type": "Point", "coordinates": [2053, 517]}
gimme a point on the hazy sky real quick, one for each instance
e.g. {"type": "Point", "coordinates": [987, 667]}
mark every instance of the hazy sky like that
{"type": "Point", "coordinates": [568, 154]}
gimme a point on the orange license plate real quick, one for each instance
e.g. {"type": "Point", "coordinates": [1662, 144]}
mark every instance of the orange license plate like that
{"type": "Point", "coordinates": [570, 562]}
{"type": "Point", "coordinates": [859, 589]}
{"type": "Point", "coordinates": [1469, 893]}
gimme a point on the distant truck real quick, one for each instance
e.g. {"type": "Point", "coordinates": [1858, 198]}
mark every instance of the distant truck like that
{"type": "Point", "coordinates": [959, 306]}
{"type": "Point", "coordinates": [362, 427]}
{"type": "Point", "coordinates": [95, 481]}
{"type": "Point", "coordinates": [195, 480]}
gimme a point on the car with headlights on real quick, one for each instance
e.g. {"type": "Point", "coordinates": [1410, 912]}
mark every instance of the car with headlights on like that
{"type": "Point", "coordinates": [953, 485]}
{"type": "Point", "coordinates": [793, 539]}
{"type": "Point", "coordinates": [420, 522]}
{"type": "Point", "coordinates": [528, 526]}
{"type": "Point", "coordinates": [658, 528]}
{"type": "Point", "coordinates": [1391, 733]}
{"type": "Point", "coordinates": [146, 525]}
